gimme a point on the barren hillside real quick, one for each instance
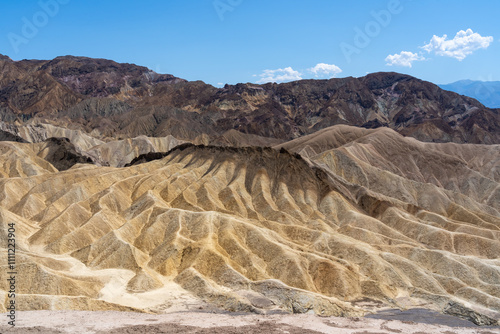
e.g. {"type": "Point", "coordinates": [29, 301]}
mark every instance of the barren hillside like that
{"type": "Point", "coordinates": [353, 215]}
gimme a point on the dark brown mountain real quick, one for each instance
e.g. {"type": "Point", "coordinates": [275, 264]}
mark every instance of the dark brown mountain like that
{"type": "Point", "coordinates": [125, 100]}
{"type": "Point", "coordinates": [102, 77]}
{"type": "Point", "coordinates": [39, 87]}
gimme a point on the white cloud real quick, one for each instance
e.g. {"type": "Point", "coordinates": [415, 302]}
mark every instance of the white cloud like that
{"type": "Point", "coordinates": [280, 75]}
{"type": "Point", "coordinates": [405, 58]}
{"type": "Point", "coordinates": [464, 44]}
{"type": "Point", "coordinates": [325, 70]}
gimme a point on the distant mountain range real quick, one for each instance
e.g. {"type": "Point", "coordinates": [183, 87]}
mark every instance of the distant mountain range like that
{"type": "Point", "coordinates": [116, 101]}
{"type": "Point", "coordinates": [486, 92]}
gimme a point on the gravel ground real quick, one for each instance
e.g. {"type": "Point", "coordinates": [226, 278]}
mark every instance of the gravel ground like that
{"type": "Point", "coordinates": [83, 322]}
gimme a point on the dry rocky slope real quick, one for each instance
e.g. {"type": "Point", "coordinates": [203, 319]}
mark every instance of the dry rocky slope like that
{"type": "Point", "coordinates": [327, 223]}
{"type": "Point", "coordinates": [72, 143]}
{"type": "Point", "coordinates": [115, 101]}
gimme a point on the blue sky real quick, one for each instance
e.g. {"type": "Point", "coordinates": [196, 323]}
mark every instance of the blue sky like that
{"type": "Point", "coordinates": [231, 41]}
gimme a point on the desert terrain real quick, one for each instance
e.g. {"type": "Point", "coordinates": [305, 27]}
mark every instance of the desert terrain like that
{"type": "Point", "coordinates": [152, 204]}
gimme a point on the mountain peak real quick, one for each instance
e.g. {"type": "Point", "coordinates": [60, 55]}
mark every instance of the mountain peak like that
{"type": "Point", "coordinates": [4, 57]}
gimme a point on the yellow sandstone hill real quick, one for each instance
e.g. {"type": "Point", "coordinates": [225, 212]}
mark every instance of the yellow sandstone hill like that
{"type": "Point", "coordinates": [323, 224]}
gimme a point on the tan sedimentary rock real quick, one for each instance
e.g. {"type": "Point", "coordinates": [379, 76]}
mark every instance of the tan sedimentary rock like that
{"type": "Point", "coordinates": [364, 214]}
{"type": "Point", "coordinates": [112, 152]}
{"type": "Point", "coordinates": [120, 152]}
